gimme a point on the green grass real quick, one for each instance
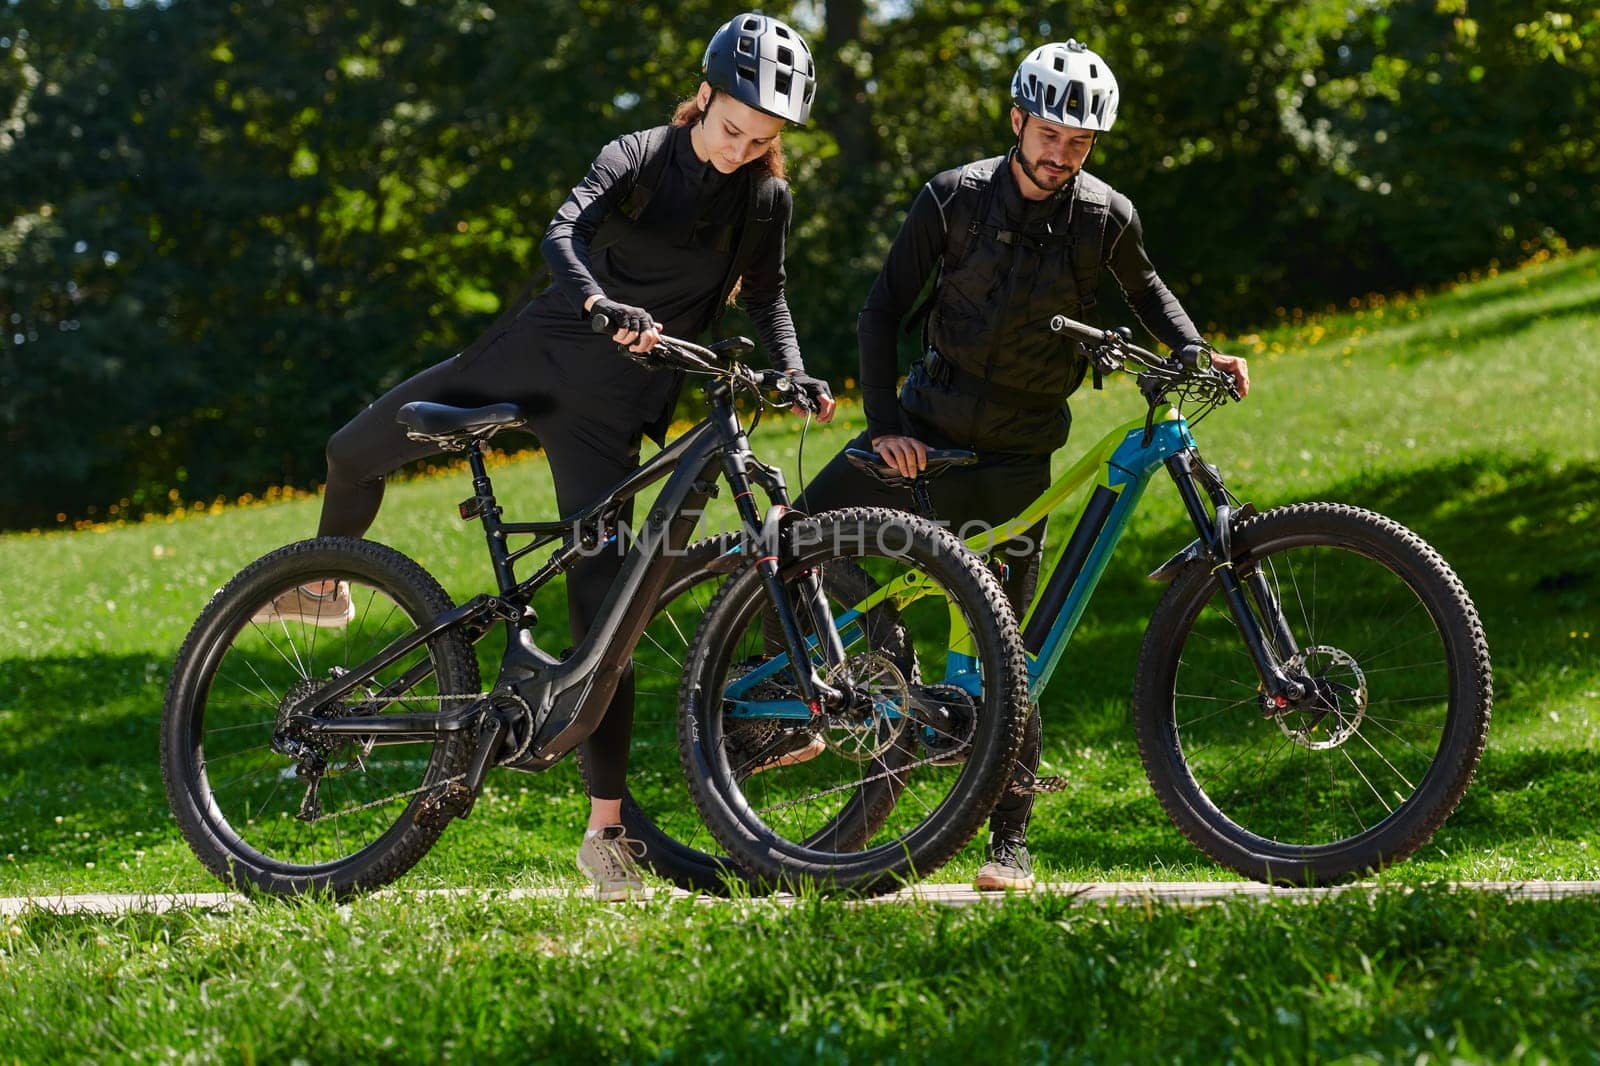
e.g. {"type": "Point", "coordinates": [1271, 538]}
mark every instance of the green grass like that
{"type": "Point", "coordinates": [1465, 415]}
{"type": "Point", "coordinates": [1455, 977]}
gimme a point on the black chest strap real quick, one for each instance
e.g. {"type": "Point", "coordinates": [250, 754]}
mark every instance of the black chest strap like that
{"type": "Point", "coordinates": [758, 221]}
{"type": "Point", "coordinates": [1084, 236]}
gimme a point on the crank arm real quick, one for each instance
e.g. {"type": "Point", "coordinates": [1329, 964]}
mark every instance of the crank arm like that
{"type": "Point", "coordinates": [491, 735]}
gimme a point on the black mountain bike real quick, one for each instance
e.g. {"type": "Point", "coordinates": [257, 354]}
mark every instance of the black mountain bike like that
{"type": "Point", "coordinates": [329, 754]}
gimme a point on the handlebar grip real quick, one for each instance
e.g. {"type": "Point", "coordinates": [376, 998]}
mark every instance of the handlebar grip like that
{"type": "Point", "coordinates": [600, 322]}
{"type": "Point", "coordinates": [1077, 330]}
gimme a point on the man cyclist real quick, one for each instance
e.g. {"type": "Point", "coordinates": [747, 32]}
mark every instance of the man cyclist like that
{"type": "Point", "coordinates": [1015, 240]}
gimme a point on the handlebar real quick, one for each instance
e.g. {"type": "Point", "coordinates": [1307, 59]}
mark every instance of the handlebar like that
{"type": "Point", "coordinates": [1111, 348]}
{"type": "Point", "coordinates": [680, 354]}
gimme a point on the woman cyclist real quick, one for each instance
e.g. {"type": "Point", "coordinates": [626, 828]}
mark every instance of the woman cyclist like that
{"type": "Point", "coordinates": [678, 203]}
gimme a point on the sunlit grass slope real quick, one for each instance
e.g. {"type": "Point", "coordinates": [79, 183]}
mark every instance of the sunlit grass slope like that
{"type": "Point", "coordinates": [1464, 414]}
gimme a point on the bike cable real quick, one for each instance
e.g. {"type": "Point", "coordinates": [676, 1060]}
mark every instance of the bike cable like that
{"type": "Point", "coordinates": [800, 453]}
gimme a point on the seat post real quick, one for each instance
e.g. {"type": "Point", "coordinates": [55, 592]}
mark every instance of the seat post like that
{"type": "Point", "coordinates": [480, 473]}
{"type": "Point", "coordinates": [489, 511]}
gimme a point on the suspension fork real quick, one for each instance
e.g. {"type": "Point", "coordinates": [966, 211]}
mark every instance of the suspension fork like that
{"type": "Point", "coordinates": [739, 467]}
{"type": "Point", "coordinates": [1215, 525]}
{"type": "Point", "coordinates": [1268, 606]}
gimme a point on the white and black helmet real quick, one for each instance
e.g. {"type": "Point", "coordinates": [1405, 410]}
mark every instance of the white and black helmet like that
{"type": "Point", "coordinates": [761, 62]}
{"type": "Point", "coordinates": [1067, 84]}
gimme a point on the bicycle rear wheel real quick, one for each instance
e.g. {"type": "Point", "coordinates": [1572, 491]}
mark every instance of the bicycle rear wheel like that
{"type": "Point", "coordinates": [1364, 773]}
{"type": "Point", "coordinates": [268, 810]}
{"type": "Point", "coordinates": [866, 797]}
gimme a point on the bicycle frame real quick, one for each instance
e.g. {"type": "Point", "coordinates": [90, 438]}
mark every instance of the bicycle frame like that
{"type": "Point", "coordinates": [1124, 459]}
{"type": "Point", "coordinates": [1122, 462]}
{"type": "Point", "coordinates": [568, 697]}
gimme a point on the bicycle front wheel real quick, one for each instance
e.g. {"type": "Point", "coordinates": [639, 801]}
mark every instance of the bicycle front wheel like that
{"type": "Point", "coordinates": [268, 809]}
{"type": "Point", "coordinates": [888, 787]}
{"type": "Point", "coordinates": [1363, 772]}
{"type": "Point", "coordinates": [656, 809]}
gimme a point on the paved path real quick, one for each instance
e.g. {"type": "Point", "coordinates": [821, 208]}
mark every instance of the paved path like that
{"type": "Point", "coordinates": [1181, 892]}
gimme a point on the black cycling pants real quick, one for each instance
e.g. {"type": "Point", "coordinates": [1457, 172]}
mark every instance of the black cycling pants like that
{"type": "Point", "coordinates": [592, 442]}
{"type": "Point", "coordinates": [987, 494]}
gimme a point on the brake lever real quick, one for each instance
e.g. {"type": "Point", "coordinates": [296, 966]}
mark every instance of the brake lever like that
{"type": "Point", "coordinates": [1225, 379]}
{"type": "Point", "coordinates": [1106, 359]}
{"type": "Point", "coordinates": [779, 382]}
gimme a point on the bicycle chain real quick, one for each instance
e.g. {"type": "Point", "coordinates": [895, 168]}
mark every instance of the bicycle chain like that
{"type": "Point", "coordinates": [417, 699]}
{"type": "Point", "coordinates": [386, 799]}
{"type": "Point", "coordinates": [930, 761]}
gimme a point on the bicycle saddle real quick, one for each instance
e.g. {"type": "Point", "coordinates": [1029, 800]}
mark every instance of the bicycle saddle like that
{"type": "Point", "coordinates": [939, 460]}
{"type": "Point", "coordinates": [452, 427]}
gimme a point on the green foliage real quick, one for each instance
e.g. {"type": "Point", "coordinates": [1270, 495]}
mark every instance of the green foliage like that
{"type": "Point", "coordinates": [227, 227]}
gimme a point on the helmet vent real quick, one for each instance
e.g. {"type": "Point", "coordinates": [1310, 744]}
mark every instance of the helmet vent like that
{"type": "Point", "coordinates": [753, 25]}
{"type": "Point", "coordinates": [781, 31]}
{"type": "Point", "coordinates": [1094, 71]}
{"type": "Point", "coordinates": [748, 73]}
{"type": "Point", "coordinates": [1049, 97]}
{"type": "Point", "coordinates": [747, 46]}
{"type": "Point", "coordinates": [1061, 64]}
{"type": "Point", "coordinates": [786, 55]}
{"type": "Point", "coordinates": [780, 82]}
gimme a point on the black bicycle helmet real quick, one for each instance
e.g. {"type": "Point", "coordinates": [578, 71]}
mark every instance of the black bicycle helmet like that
{"type": "Point", "coordinates": [764, 64]}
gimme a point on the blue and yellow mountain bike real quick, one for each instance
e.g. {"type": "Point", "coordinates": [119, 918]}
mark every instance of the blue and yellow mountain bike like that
{"type": "Point", "coordinates": [1312, 695]}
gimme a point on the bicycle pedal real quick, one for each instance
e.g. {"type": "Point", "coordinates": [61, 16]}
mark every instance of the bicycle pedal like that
{"type": "Point", "coordinates": [438, 807]}
{"type": "Point", "coordinates": [1041, 785]}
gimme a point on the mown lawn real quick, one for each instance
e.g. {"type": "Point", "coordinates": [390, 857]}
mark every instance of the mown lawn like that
{"type": "Point", "coordinates": [1394, 978]}
{"type": "Point", "coordinates": [1465, 415]}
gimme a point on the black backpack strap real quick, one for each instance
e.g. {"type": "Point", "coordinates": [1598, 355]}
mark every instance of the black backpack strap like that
{"type": "Point", "coordinates": [759, 219]}
{"type": "Point", "coordinates": [1091, 209]}
{"type": "Point", "coordinates": [651, 168]}
{"type": "Point", "coordinates": [1086, 232]}
{"type": "Point", "coordinates": [959, 229]}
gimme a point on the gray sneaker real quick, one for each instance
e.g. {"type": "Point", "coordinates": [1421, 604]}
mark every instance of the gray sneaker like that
{"type": "Point", "coordinates": [608, 858]}
{"type": "Point", "coordinates": [329, 610]}
{"type": "Point", "coordinates": [1007, 867]}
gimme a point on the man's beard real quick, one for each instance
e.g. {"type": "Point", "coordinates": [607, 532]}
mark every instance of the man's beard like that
{"type": "Point", "coordinates": [1044, 181]}
{"type": "Point", "coordinates": [1041, 180]}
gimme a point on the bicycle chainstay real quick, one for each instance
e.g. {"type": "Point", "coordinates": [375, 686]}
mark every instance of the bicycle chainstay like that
{"type": "Point", "coordinates": [444, 801]}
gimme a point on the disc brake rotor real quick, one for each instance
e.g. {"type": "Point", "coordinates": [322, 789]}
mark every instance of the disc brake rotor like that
{"type": "Point", "coordinates": [1333, 713]}
{"type": "Point", "coordinates": [878, 715]}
